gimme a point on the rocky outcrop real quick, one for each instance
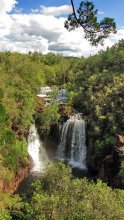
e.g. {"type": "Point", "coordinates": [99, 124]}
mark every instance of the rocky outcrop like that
{"type": "Point", "coordinates": [10, 186]}
{"type": "Point", "coordinates": [113, 165]}
{"type": "Point", "coordinates": [120, 140]}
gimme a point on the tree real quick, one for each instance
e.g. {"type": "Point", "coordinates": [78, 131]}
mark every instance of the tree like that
{"type": "Point", "coordinates": [59, 196]}
{"type": "Point", "coordinates": [50, 116]}
{"type": "Point", "coordinates": [86, 17]}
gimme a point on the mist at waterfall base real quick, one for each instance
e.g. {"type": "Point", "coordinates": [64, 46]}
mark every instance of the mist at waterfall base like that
{"type": "Point", "coordinates": [72, 148]}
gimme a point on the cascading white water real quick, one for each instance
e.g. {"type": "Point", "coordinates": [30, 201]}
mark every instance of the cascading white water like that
{"type": "Point", "coordinates": [36, 151]}
{"type": "Point", "coordinates": [72, 146]}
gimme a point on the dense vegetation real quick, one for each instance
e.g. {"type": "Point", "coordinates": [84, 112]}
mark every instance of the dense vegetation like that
{"type": "Point", "coordinates": [57, 195]}
{"type": "Point", "coordinates": [95, 87]}
{"type": "Point", "coordinates": [21, 77]}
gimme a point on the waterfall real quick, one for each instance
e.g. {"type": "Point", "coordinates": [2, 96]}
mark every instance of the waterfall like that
{"type": "Point", "coordinates": [37, 151]}
{"type": "Point", "coordinates": [72, 148]}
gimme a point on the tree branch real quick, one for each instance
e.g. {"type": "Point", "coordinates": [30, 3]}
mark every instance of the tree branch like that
{"type": "Point", "coordinates": [78, 21]}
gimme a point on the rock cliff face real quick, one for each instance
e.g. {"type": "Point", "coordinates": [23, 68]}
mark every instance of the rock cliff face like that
{"type": "Point", "coordinates": [112, 168]}
{"type": "Point", "coordinates": [11, 186]}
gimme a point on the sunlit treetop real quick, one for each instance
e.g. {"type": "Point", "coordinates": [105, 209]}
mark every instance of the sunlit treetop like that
{"type": "Point", "coordinates": [86, 17]}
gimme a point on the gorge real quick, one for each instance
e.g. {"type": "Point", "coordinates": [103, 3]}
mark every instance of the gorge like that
{"type": "Point", "coordinates": [95, 87]}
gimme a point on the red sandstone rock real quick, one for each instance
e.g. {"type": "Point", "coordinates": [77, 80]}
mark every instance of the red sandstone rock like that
{"type": "Point", "coordinates": [120, 139]}
{"type": "Point", "coordinates": [11, 186]}
{"type": "Point", "coordinates": [120, 150]}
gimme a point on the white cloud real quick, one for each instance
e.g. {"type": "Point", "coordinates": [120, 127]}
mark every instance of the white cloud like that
{"type": "Point", "coordinates": [100, 12]}
{"type": "Point", "coordinates": [5, 25]}
{"type": "Point", "coordinates": [56, 11]}
{"type": "Point", "coordinates": [35, 11]}
{"type": "Point", "coordinates": [18, 10]}
{"type": "Point", "coordinates": [7, 5]}
{"type": "Point", "coordinates": [31, 44]}
{"type": "Point", "coordinates": [44, 33]}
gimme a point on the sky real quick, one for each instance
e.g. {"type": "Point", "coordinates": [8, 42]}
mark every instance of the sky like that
{"type": "Point", "coordinates": [38, 25]}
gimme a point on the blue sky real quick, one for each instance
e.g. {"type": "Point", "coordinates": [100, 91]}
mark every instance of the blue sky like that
{"type": "Point", "coordinates": [111, 8]}
{"type": "Point", "coordinates": [38, 25]}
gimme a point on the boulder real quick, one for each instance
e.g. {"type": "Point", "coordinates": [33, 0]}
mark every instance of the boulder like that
{"type": "Point", "coordinates": [120, 140]}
